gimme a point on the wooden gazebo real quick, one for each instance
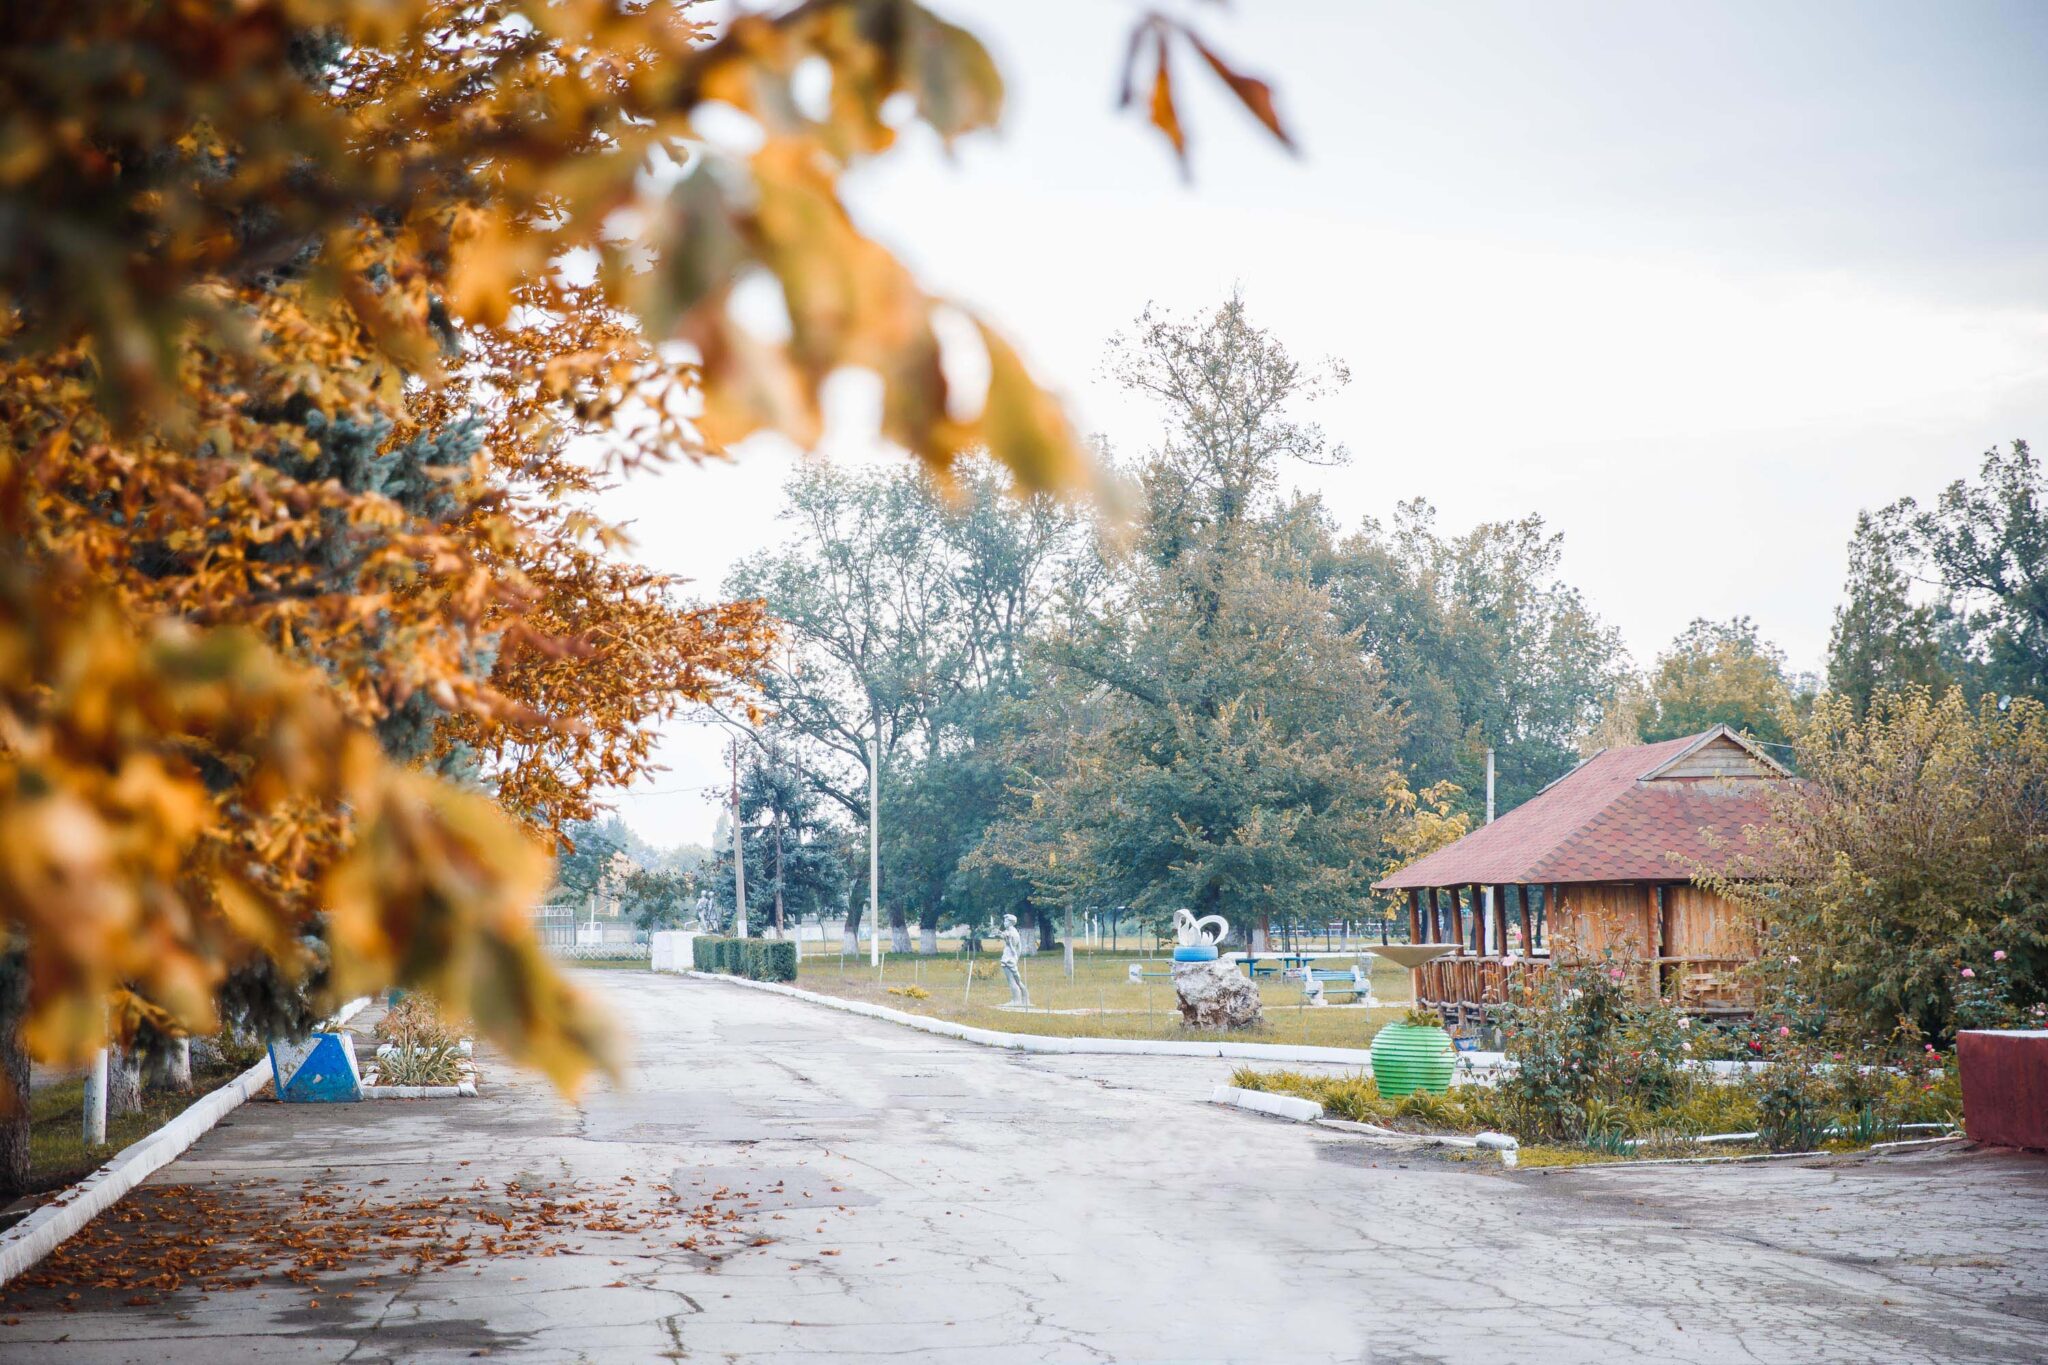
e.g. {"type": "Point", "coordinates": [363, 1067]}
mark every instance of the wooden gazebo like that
{"type": "Point", "coordinates": [1602, 858]}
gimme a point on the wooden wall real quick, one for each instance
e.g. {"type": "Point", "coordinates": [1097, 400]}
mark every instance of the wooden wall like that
{"type": "Point", "coordinates": [1703, 924]}
{"type": "Point", "coordinates": [1721, 759]}
{"type": "Point", "coordinates": [1592, 917]}
{"type": "Point", "coordinates": [1690, 941]}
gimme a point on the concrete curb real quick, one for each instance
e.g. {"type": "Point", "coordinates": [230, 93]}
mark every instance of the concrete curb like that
{"type": "Point", "coordinates": [1034, 1042]}
{"type": "Point", "coordinates": [465, 1091]}
{"type": "Point", "coordinates": [37, 1235]}
{"type": "Point", "coordinates": [1261, 1102]}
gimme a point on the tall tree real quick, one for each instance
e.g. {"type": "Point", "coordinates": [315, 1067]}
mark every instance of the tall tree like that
{"type": "Point", "coordinates": [796, 862]}
{"type": "Point", "coordinates": [1721, 673]}
{"type": "Point", "coordinates": [1238, 754]}
{"type": "Point", "coordinates": [1482, 643]}
{"type": "Point", "coordinates": [1883, 638]}
{"type": "Point", "coordinates": [1986, 544]}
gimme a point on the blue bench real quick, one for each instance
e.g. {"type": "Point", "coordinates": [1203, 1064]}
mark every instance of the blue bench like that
{"type": "Point", "coordinates": [1353, 982]}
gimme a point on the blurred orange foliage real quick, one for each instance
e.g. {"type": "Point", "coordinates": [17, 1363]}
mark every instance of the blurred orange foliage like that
{"type": "Point", "coordinates": [231, 228]}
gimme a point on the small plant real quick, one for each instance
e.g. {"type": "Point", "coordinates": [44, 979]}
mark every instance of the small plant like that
{"type": "Point", "coordinates": [911, 992]}
{"type": "Point", "coordinates": [413, 1023]}
{"type": "Point", "coordinates": [1608, 1129]}
{"type": "Point", "coordinates": [437, 1065]}
{"type": "Point", "coordinates": [423, 1050]}
{"type": "Point", "coordinates": [1423, 1017]}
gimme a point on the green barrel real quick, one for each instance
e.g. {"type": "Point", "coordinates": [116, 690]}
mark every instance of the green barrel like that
{"type": "Point", "coordinates": [1407, 1058]}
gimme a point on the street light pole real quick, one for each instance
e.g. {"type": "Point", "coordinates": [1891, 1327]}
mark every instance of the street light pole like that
{"type": "Point", "coordinates": [739, 855]}
{"type": "Point", "coordinates": [875, 852]}
{"type": "Point", "coordinates": [1486, 915]}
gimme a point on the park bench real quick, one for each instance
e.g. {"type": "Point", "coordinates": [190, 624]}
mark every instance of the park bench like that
{"type": "Point", "coordinates": [1353, 982]}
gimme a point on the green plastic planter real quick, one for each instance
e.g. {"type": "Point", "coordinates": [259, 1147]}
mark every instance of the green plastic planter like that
{"type": "Point", "coordinates": [1407, 1058]}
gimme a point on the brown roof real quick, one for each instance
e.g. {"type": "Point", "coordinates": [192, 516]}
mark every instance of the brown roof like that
{"type": "Point", "coordinates": [1617, 817]}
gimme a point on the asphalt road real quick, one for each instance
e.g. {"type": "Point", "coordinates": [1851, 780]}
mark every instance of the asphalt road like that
{"type": "Point", "coordinates": [785, 1182]}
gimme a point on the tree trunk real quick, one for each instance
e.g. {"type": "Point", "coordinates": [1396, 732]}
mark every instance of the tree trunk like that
{"type": "Point", "coordinates": [124, 1082]}
{"type": "Point", "coordinates": [178, 1068]}
{"type": "Point", "coordinates": [899, 930]}
{"type": "Point", "coordinates": [1046, 941]}
{"type": "Point", "coordinates": [927, 939]}
{"type": "Point", "coordinates": [849, 936]}
{"type": "Point", "coordinates": [13, 1106]}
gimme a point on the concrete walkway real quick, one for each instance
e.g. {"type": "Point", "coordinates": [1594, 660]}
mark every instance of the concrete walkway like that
{"type": "Point", "coordinates": [840, 1189]}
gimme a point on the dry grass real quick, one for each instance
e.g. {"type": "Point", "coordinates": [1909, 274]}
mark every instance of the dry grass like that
{"type": "Point", "coordinates": [58, 1153]}
{"type": "Point", "coordinates": [1100, 986]}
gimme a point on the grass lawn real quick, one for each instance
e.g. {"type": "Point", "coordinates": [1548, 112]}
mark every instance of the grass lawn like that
{"type": "Point", "coordinates": [1100, 986]}
{"type": "Point", "coordinates": [58, 1153]}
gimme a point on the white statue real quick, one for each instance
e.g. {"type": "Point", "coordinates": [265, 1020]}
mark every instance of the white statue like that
{"type": "Point", "coordinates": [1013, 947]}
{"type": "Point", "coordinates": [1205, 932]}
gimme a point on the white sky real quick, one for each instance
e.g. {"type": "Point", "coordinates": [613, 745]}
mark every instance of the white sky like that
{"type": "Point", "coordinates": [1696, 283]}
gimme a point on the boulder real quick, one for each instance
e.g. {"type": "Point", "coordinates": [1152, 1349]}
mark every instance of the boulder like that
{"type": "Point", "coordinates": [1215, 995]}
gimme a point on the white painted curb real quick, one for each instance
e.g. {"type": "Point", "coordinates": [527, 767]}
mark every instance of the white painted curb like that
{"type": "Point", "coordinates": [465, 1091]}
{"type": "Point", "coordinates": [1034, 1042]}
{"type": "Point", "coordinates": [37, 1235]}
{"type": "Point", "coordinates": [1261, 1102]}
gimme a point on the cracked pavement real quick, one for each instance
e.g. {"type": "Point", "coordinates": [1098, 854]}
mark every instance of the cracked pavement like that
{"type": "Point", "coordinates": [893, 1195]}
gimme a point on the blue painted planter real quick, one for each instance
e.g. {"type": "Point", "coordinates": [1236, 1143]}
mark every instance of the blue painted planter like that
{"type": "Point", "coordinates": [1195, 952]}
{"type": "Point", "coordinates": [320, 1068]}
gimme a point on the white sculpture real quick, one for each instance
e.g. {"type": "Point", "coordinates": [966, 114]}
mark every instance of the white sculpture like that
{"type": "Point", "coordinates": [1013, 947]}
{"type": "Point", "coordinates": [1205, 932]}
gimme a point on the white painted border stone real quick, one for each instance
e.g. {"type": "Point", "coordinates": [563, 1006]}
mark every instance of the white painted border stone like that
{"type": "Point", "coordinates": [37, 1235]}
{"type": "Point", "coordinates": [1263, 1102]}
{"type": "Point", "coordinates": [465, 1091]}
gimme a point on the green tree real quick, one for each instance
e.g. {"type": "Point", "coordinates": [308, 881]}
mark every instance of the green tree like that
{"type": "Point", "coordinates": [1721, 673]}
{"type": "Point", "coordinates": [796, 863]}
{"type": "Point", "coordinates": [657, 898]}
{"type": "Point", "coordinates": [1986, 544]}
{"type": "Point", "coordinates": [1882, 637]}
{"type": "Point", "coordinates": [1915, 846]}
{"type": "Point", "coordinates": [1482, 644]}
{"type": "Point", "coordinates": [909, 608]}
{"type": "Point", "coordinates": [1225, 745]}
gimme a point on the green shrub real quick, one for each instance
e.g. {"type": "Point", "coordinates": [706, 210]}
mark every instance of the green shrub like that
{"type": "Point", "coordinates": [771, 960]}
{"type": "Point", "coordinates": [704, 952]}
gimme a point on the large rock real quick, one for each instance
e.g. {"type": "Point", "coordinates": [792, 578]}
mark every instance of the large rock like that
{"type": "Point", "coordinates": [1215, 995]}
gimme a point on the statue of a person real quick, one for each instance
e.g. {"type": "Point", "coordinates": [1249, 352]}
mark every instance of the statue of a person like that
{"type": "Point", "coordinates": [1013, 947]}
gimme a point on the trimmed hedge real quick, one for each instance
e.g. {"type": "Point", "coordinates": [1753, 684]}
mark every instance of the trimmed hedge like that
{"type": "Point", "coordinates": [756, 959]}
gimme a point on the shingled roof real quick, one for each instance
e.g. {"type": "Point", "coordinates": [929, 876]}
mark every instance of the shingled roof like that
{"type": "Point", "coordinates": [1648, 812]}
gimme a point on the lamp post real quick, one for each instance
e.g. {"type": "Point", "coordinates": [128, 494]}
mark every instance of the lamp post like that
{"type": "Point", "coordinates": [739, 854]}
{"type": "Point", "coordinates": [875, 852]}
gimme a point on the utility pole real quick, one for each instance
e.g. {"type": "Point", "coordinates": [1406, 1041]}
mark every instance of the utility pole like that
{"type": "Point", "coordinates": [1488, 911]}
{"type": "Point", "coordinates": [739, 851]}
{"type": "Point", "coordinates": [875, 850]}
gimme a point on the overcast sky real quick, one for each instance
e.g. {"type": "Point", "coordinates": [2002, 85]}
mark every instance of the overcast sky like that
{"type": "Point", "coordinates": [1695, 282]}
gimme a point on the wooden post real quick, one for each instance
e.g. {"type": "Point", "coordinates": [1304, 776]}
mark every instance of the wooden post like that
{"type": "Point", "coordinates": [1500, 920]}
{"type": "Point", "coordinates": [1478, 923]}
{"type": "Point", "coordinates": [1415, 916]}
{"type": "Point", "coordinates": [1455, 925]}
{"type": "Point", "coordinates": [1528, 943]}
{"type": "Point", "coordinates": [1434, 926]}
